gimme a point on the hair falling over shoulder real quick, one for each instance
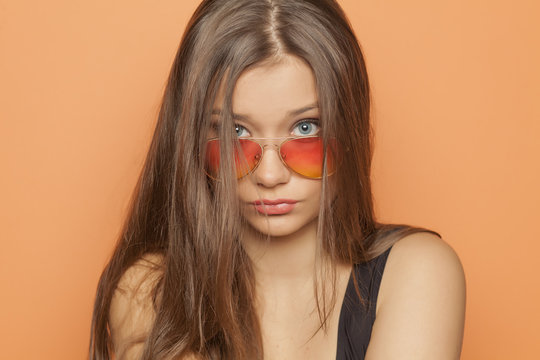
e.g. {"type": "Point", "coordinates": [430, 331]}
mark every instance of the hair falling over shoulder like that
{"type": "Point", "coordinates": [203, 301]}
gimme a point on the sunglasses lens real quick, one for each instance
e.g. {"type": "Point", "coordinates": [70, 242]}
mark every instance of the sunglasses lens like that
{"type": "Point", "coordinates": [302, 155]}
{"type": "Point", "coordinates": [305, 156]}
{"type": "Point", "coordinates": [247, 156]}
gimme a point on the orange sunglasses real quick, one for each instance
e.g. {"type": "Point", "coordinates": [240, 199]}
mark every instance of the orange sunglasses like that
{"type": "Point", "coordinates": [303, 155]}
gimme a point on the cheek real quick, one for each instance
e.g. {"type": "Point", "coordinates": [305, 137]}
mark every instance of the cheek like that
{"type": "Point", "coordinates": [313, 188]}
{"type": "Point", "coordinates": [244, 189]}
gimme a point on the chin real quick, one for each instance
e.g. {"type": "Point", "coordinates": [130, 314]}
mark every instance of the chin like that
{"type": "Point", "coordinates": [279, 226]}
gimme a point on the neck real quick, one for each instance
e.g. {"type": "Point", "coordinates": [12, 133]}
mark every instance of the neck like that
{"type": "Point", "coordinates": [284, 267]}
{"type": "Point", "coordinates": [283, 259]}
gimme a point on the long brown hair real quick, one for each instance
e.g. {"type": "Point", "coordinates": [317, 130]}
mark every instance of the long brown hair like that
{"type": "Point", "coordinates": [206, 287]}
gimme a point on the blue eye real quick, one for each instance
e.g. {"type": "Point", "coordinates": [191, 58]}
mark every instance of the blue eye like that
{"type": "Point", "coordinates": [240, 130]}
{"type": "Point", "coordinates": [306, 127]}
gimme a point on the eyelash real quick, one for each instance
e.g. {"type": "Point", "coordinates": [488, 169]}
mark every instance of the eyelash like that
{"type": "Point", "coordinates": [310, 121]}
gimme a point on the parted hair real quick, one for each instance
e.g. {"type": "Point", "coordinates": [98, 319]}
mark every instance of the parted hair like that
{"type": "Point", "coordinates": [203, 298]}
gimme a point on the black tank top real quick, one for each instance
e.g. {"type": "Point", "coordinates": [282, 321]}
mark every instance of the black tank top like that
{"type": "Point", "coordinates": [355, 318]}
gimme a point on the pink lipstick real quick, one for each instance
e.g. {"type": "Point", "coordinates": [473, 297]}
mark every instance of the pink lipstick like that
{"type": "Point", "coordinates": [274, 207]}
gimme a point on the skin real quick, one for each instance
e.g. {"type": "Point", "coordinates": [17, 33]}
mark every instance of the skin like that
{"type": "Point", "coordinates": [421, 304]}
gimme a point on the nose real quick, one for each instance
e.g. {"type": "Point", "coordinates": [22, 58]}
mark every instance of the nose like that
{"type": "Point", "coordinates": [271, 171]}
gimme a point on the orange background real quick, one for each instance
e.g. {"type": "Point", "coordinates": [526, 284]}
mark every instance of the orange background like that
{"type": "Point", "coordinates": [457, 120]}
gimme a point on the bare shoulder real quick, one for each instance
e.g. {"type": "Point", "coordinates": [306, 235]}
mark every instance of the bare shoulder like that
{"type": "Point", "coordinates": [421, 302]}
{"type": "Point", "coordinates": [424, 256]}
{"type": "Point", "coordinates": [139, 279]}
{"type": "Point", "coordinates": [131, 314]}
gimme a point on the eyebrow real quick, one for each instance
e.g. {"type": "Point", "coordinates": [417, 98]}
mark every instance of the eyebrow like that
{"type": "Point", "coordinates": [291, 113]}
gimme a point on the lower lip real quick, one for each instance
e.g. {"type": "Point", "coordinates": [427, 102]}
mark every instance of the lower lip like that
{"type": "Point", "coordinates": [278, 209]}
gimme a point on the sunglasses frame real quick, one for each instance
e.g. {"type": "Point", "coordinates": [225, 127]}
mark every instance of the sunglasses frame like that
{"type": "Point", "coordinates": [278, 149]}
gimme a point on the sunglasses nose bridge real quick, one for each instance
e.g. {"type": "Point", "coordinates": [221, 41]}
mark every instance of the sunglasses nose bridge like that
{"type": "Point", "coordinates": [276, 146]}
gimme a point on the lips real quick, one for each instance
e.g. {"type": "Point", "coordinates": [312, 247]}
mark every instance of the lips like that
{"type": "Point", "coordinates": [274, 207]}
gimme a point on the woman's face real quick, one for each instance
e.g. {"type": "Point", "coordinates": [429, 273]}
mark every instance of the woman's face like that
{"type": "Point", "coordinates": [275, 101]}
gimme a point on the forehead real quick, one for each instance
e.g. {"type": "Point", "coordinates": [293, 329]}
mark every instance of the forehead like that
{"type": "Point", "coordinates": [273, 91]}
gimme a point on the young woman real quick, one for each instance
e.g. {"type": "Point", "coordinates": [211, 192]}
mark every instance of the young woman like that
{"type": "Point", "coordinates": [251, 233]}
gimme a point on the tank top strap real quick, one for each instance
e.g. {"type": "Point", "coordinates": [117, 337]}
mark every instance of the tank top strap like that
{"type": "Point", "coordinates": [358, 313]}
